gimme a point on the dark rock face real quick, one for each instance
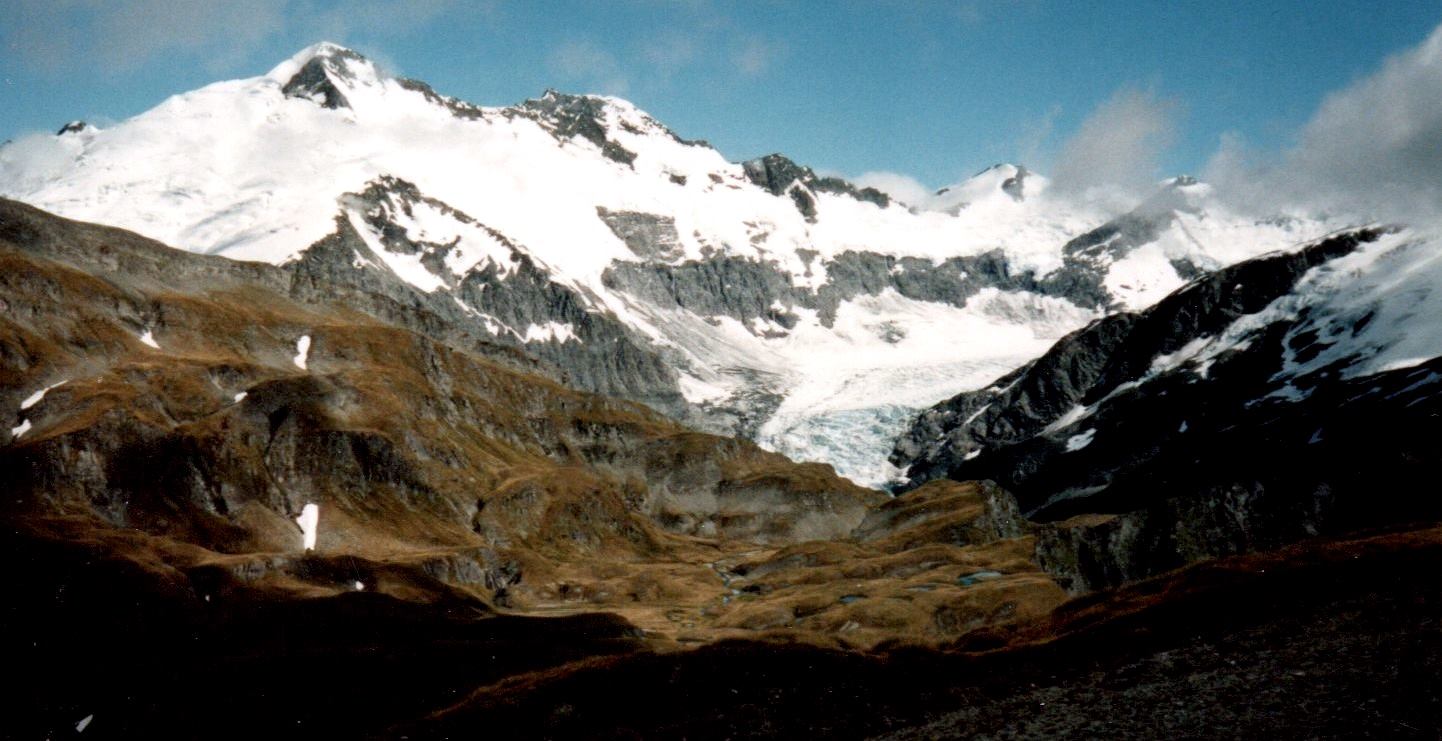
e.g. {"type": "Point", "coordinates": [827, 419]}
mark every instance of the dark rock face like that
{"type": "Point", "coordinates": [805, 202]}
{"type": "Point", "coordinates": [747, 289]}
{"type": "Point", "coordinates": [1091, 363]}
{"type": "Point", "coordinates": [842, 187]}
{"type": "Point", "coordinates": [602, 355]}
{"type": "Point", "coordinates": [1087, 257]}
{"type": "Point", "coordinates": [570, 116]}
{"type": "Point", "coordinates": [649, 236]}
{"type": "Point", "coordinates": [1015, 186]}
{"type": "Point", "coordinates": [1080, 280]}
{"type": "Point", "coordinates": [1245, 473]}
{"type": "Point", "coordinates": [719, 286]}
{"type": "Point", "coordinates": [1196, 459]}
{"type": "Point", "coordinates": [313, 81]}
{"type": "Point", "coordinates": [327, 272]}
{"type": "Point", "coordinates": [951, 281]}
{"type": "Point", "coordinates": [776, 174]}
{"type": "Point", "coordinates": [458, 108]}
{"type": "Point", "coordinates": [74, 127]}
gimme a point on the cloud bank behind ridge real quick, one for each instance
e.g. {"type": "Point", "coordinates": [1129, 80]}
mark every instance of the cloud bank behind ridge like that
{"type": "Point", "coordinates": [1372, 150]}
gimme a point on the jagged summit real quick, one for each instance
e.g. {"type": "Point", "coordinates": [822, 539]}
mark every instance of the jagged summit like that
{"type": "Point", "coordinates": [332, 76]}
{"type": "Point", "coordinates": [780, 175]}
{"type": "Point", "coordinates": [74, 127]}
{"type": "Point", "coordinates": [1006, 168]}
{"type": "Point", "coordinates": [1002, 186]}
{"type": "Point", "coordinates": [592, 118]}
{"type": "Point", "coordinates": [326, 53]}
{"type": "Point", "coordinates": [322, 72]}
{"type": "Point", "coordinates": [326, 49]}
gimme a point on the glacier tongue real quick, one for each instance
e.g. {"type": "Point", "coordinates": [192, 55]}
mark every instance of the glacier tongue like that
{"type": "Point", "coordinates": [887, 357]}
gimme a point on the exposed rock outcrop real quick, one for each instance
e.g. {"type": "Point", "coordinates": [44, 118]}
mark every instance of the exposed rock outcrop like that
{"type": "Point", "coordinates": [651, 237]}
{"type": "Point", "coordinates": [314, 80]}
{"type": "Point", "coordinates": [780, 176]}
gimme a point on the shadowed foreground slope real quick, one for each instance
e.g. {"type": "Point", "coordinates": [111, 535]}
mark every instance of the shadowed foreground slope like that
{"type": "Point", "coordinates": [1324, 639]}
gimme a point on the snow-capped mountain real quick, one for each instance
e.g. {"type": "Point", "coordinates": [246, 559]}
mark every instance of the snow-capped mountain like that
{"type": "Point", "coordinates": [753, 297]}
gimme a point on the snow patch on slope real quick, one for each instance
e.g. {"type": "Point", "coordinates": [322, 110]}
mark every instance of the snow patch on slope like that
{"type": "Point", "coordinates": [1079, 441]}
{"type": "Point", "coordinates": [406, 267]}
{"type": "Point", "coordinates": [302, 352]}
{"type": "Point", "coordinates": [35, 398]}
{"type": "Point", "coordinates": [309, 521]}
{"type": "Point", "coordinates": [1372, 311]}
{"type": "Point", "coordinates": [550, 332]}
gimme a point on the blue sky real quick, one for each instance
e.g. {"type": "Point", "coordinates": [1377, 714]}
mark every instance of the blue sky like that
{"type": "Point", "coordinates": [934, 90]}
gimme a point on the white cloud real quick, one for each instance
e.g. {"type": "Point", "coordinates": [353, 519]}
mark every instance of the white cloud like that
{"type": "Point", "coordinates": [115, 37]}
{"type": "Point", "coordinates": [39, 157]}
{"type": "Point", "coordinates": [1118, 147]}
{"type": "Point", "coordinates": [99, 36]}
{"type": "Point", "coordinates": [373, 17]}
{"type": "Point", "coordinates": [1371, 150]}
{"type": "Point", "coordinates": [903, 188]}
{"type": "Point", "coordinates": [969, 12]}
{"type": "Point", "coordinates": [671, 51]}
{"type": "Point", "coordinates": [1032, 144]}
{"type": "Point", "coordinates": [755, 55]}
{"type": "Point", "coordinates": [584, 62]}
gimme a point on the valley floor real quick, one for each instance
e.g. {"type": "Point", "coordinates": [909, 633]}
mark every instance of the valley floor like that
{"type": "Point", "coordinates": [1335, 638]}
{"type": "Point", "coordinates": [1329, 639]}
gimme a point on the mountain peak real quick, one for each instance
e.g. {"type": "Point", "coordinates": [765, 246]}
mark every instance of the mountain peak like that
{"type": "Point", "coordinates": [75, 127]}
{"type": "Point", "coordinates": [326, 51]}
{"type": "Point", "coordinates": [1006, 169]}
{"type": "Point", "coordinates": [1014, 182]}
{"type": "Point", "coordinates": [329, 48]}
{"type": "Point", "coordinates": [320, 71]}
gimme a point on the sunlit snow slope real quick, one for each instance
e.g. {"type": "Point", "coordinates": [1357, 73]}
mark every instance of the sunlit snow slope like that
{"type": "Point", "coordinates": [754, 297]}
